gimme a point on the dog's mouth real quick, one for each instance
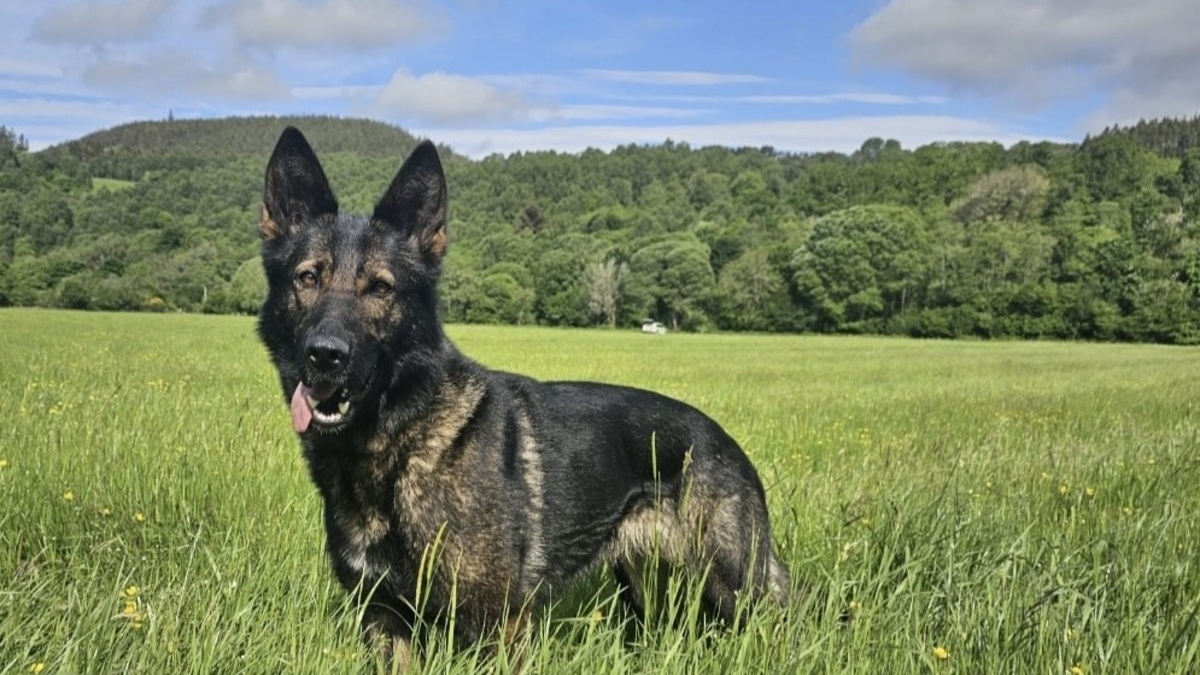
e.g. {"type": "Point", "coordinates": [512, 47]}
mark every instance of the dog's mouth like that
{"type": "Point", "coordinates": [327, 405]}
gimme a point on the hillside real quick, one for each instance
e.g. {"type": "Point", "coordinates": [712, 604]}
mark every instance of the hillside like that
{"type": "Point", "coordinates": [242, 136]}
{"type": "Point", "coordinates": [1167, 137]}
{"type": "Point", "coordinates": [1097, 240]}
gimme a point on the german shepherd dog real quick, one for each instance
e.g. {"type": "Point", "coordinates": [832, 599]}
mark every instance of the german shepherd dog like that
{"type": "Point", "coordinates": [520, 486]}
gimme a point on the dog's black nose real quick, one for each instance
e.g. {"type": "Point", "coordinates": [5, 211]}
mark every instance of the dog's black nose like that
{"type": "Point", "coordinates": [327, 354]}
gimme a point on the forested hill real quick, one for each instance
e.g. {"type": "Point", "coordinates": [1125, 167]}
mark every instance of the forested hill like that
{"type": "Point", "coordinates": [1098, 240]}
{"type": "Point", "coordinates": [1167, 137]}
{"type": "Point", "coordinates": [242, 135]}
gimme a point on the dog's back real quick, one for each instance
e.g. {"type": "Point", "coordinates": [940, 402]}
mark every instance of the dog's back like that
{"type": "Point", "coordinates": [622, 474]}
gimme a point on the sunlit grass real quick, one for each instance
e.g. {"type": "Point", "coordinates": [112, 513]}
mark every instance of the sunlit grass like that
{"type": "Point", "coordinates": [111, 184]}
{"type": "Point", "coordinates": [972, 507]}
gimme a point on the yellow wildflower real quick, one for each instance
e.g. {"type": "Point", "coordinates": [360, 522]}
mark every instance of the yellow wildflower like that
{"type": "Point", "coordinates": [596, 616]}
{"type": "Point", "coordinates": [140, 517]}
{"type": "Point", "coordinates": [130, 607]}
{"type": "Point", "coordinates": [1064, 489]}
{"type": "Point", "coordinates": [105, 511]}
{"type": "Point", "coordinates": [1127, 510]}
{"type": "Point", "coordinates": [3, 463]}
{"type": "Point", "coordinates": [1090, 491]}
{"type": "Point", "coordinates": [36, 668]}
{"type": "Point", "coordinates": [941, 653]}
{"type": "Point", "coordinates": [1076, 669]}
{"type": "Point", "coordinates": [68, 496]}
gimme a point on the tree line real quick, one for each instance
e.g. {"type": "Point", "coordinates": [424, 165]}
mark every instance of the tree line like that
{"type": "Point", "coordinates": [1096, 240]}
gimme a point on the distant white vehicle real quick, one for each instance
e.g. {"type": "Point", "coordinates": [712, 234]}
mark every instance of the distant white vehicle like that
{"type": "Point", "coordinates": [653, 327]}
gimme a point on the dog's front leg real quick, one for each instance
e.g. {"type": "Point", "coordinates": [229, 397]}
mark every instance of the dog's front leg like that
{"type": "Point", "coordinates": [390, 635]}
{"type": "Point", "coordinates": [513, 639]}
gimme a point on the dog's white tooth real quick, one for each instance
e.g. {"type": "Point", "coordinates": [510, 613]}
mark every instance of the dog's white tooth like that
{"type": "Point", "coordinates": [312, 402]}
{"type": "Point", "coordinates": [344, 407]}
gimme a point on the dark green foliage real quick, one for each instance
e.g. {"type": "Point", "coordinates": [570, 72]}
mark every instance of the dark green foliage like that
{"type": "Point", "coordinates": [246, 135]}
{"type": "Point", "coordinates": [861, 266]}
{"type": "Point", "coordinates": [1098, 241]}
{"type": "Point", "coordinates": [1164, 137]}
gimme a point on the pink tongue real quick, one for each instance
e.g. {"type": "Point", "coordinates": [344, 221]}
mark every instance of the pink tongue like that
{"type": "Point", "coordinates": [301, 413]}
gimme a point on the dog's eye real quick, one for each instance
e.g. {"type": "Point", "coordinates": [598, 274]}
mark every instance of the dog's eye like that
{"type": "Point", "coordinates": [381, 287]}
{"type": "Point", "coordinates": [307, 278]}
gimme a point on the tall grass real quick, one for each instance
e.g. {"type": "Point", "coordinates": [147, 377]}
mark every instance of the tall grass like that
{"type": "Point", "coordinates": [1011, 507]}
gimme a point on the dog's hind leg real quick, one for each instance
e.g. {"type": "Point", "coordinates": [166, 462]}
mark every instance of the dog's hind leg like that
{"type": "Point", "coordinates": [629, 587]}
{"type": "Point", "coordinates": [642, 583]}
{"type": "Point", "coordinates": [740, 560]}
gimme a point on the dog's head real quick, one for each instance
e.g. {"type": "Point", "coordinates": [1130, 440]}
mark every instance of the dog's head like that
{"type": "Point", "coordinates": [350, 298]}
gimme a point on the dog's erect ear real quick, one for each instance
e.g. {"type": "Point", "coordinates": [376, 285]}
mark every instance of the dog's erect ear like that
{"type": "Point", "coordinates": [296, 188]}
{"type": "Point", "coordinates": [416, 201]}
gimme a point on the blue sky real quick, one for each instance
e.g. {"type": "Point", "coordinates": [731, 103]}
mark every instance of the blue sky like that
{"type": "Point", "coordinates": [506, 75]}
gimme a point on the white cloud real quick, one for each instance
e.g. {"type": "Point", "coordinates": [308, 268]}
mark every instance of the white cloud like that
{"type": "Point", "coordinates": [836, 134]}
{"type": "Point", "coordinates": [673, 77]}
{"type": "Point", "coordinates": [442, 98]}
{"type": "Point", "coordinates": [354, 25]}
{"type": "Point", "coordinates": [1128, 105]}
{"type": "Point", "coordinates": [58, 109]}
{"type": "Point", "coordinates": [41, 134]}
{"type": "Point", "coordinates": [546, 84]}
{"type": "Point", "coordinates": [338, 92]}
{"type": "Point", "coordinates": [170, 72]}
{"type": "Point", "coordinates": [867, 98]}
{"type": "Point", "coordinates": [23, 87]}
{"type": "Point", "coordinates": [1038, 52]}
{"type": "Point", "coordinates": [46, 121]}
{"type": "Point", "coordinates": [22, 68]}
{"type": "Point", "coordinates": [92, 21]}
{"type": "Point", "coordinates": [577, 112]}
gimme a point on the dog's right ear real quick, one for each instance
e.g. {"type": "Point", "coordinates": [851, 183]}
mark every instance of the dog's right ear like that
{"type": "Point", "coordinates": [296, 189]}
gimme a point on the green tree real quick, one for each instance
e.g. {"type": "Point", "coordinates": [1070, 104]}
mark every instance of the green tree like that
{"type": "Point", "coordinates": [752, 294]}
{"type": "Point", "coordinates": [248, 287]}
{"type": "Point", "coordinates": [1114, 166]}
{"type": "Point", "coordinates": [561, 294]}
{"type": "Point", "coordinates": [1016, 193]}
{"type": "Point", "coordinates": [862, 265]}
{"type": "Point", "coordinates": [501, 300]}
{"type": "Point", "coordinates": [605, 286]}
{"type": "Point", "coordinates": [671, 281]}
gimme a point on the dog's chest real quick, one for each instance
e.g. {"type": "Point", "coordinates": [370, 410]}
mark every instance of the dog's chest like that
{"type": "Point", "coordinates": [384, 534]}
{"type": "Point", "coordinates": [362, 543]}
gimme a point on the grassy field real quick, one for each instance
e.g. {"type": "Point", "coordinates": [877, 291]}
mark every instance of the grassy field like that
{"type": "Point", "coordinates": [974, 507]}
{"type": "Point", "coordinates": [111, 184]}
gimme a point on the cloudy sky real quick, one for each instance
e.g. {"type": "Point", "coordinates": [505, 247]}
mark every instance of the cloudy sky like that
{"type": "Point", "coordinates": [505, 75]}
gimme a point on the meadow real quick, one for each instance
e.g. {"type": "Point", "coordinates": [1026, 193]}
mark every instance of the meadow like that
{"type": "Point", "coordinates": [945, 507]}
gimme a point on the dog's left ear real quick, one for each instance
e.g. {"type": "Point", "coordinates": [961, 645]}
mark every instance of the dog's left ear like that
{"type": "Point", "coordinates": [416, 201]}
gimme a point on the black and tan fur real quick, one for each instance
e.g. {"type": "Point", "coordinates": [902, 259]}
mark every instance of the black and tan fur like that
{"type": "Point", "coordinates": [506, 488]}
